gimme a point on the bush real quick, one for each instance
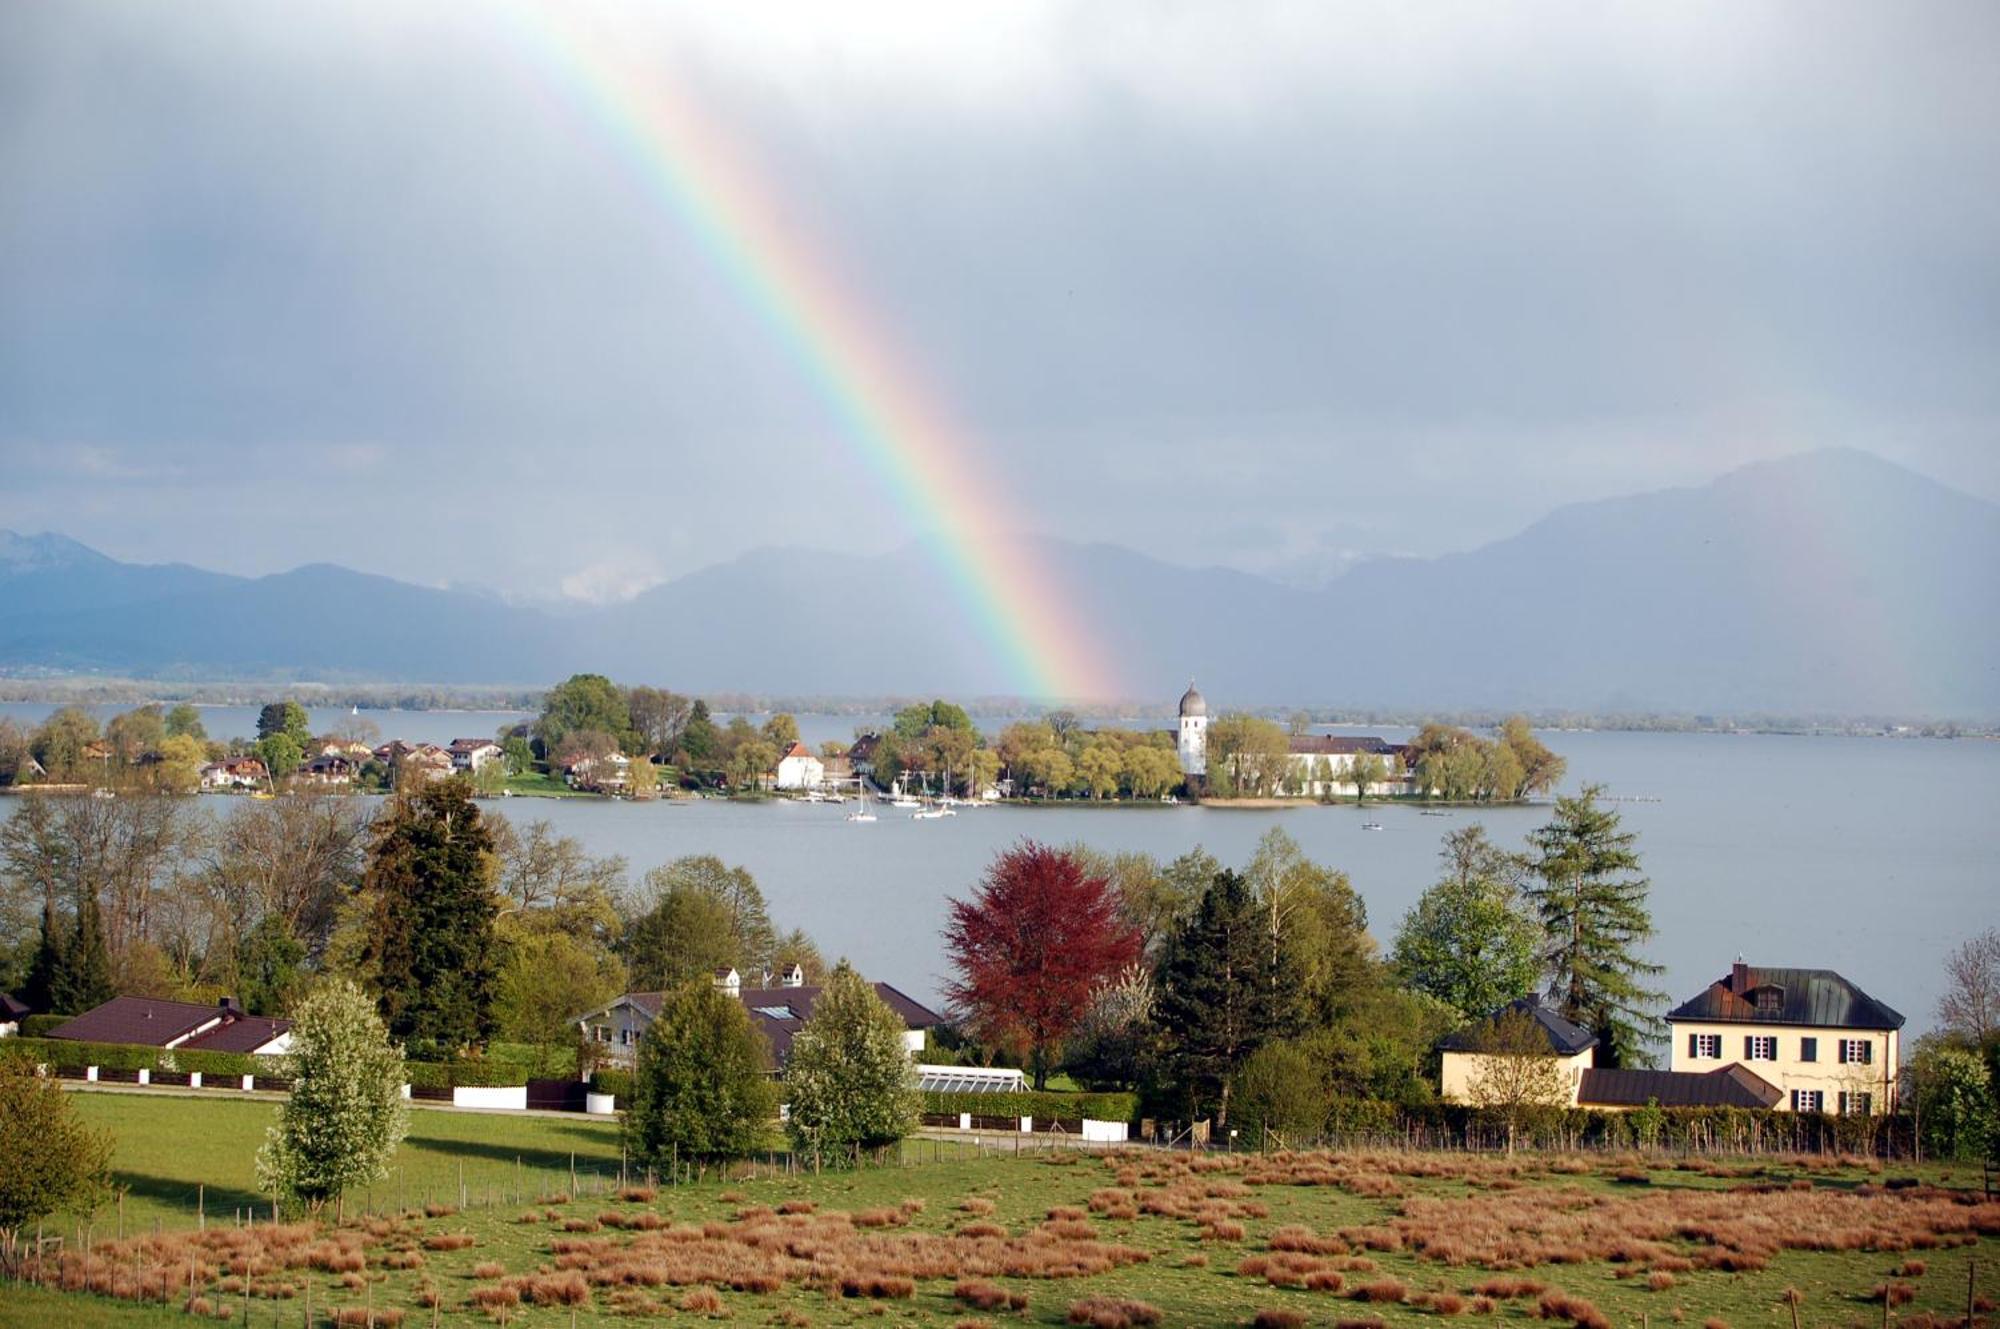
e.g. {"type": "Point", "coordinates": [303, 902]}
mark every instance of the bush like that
{"type": "Point", "coordinates": [1042, 1106]}
{"type": "Point", "coordinates": [37, 1026]}
{"type": "Point", "coordinates": [615, 1082]}
{"type": "Point", "coordinates": [132, 1057]}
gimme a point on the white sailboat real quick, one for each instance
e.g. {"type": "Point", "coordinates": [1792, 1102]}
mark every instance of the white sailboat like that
{"type": "Point", "coordinates": [902, 800]}
{"type": "Point", "coordinates": [861, 813]}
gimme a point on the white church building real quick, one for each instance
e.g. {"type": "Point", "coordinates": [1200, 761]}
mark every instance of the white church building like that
{"type": "Point", "coordinates": [1322, 764]}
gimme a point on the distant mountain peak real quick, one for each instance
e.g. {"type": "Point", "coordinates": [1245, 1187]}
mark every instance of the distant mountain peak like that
{"type": "Point", "coordinates": [45, 552]}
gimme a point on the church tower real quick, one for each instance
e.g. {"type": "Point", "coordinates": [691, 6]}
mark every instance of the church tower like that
{"type": "Point", "coordinates": [1194, 735]}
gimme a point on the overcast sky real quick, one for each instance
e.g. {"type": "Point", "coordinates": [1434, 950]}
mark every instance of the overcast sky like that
{"type": "Point", "coordinates": [1258, 285]}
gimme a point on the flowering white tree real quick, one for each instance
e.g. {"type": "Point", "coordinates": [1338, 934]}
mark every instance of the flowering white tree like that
{"type": "Point", "coordinates": [346, 1114]}
{"type": "Point", "coordinates": [849, 1077]}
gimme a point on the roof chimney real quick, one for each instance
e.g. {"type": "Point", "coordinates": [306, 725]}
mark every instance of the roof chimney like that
{"type": "Point", "coordinates": [1739, 977]}
{"type": "Point", "coordinates": [793, 977]}
{"type": "Point", "coordinates": [729, 981]}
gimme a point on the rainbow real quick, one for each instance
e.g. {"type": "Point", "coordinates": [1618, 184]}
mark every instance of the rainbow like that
{"type": "Point", "coordinates": [926, 462]}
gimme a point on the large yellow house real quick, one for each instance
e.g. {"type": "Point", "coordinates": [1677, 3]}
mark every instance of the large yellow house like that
{"type": "Point", "coordinates": [1826, 1044]}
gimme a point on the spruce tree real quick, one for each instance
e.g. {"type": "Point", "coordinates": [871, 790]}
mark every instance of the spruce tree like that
{"type": "Point", "coordinates": [431, 943]}
{"type": "Point", "coordinates": [84, 979]}
{"type": "Point", "coordinates": [47, 970]}
{"type": "Point", "coordinates": [1222, 993]}
{"type": "Point", "coordinates": [1584, 883]}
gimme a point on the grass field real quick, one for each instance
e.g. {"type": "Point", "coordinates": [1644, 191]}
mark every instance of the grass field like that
{"type": "Point", "coordinates": [1342, 1239]}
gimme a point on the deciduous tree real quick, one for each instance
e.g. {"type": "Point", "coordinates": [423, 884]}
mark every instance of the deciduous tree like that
{"type": "Point", "coordinates": [849, 1078]}
{"type": "Point", "coordinates": [346, 1115]}
{"type": "Point", "coordinates": [1969, 1008]}
{"type": "Point", "coordinates": [700, 1092]}
{"type": "Point", "coordinates": [287, 718]}
{"type": "Point", "coordinates": [1515, 1077]}
{"type": "Point", "coordinates": [1469, 940]}
{"type": "Point", "coordinates": [49, 1159]}
{"type": "Point", "coordinates": [1035, 940]}
{"type": "Point", "coordinates": [1584, 884]}
{"type": "Point", "coordinates": [583, 702]}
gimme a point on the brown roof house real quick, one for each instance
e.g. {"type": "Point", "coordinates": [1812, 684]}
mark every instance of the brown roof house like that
{"type": "Point", "coordinates": [223, 1027]}
{"type": "Point", "coordinates": [777, 1012]}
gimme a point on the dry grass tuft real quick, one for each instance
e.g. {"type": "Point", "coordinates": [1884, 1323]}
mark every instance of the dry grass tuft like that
{"type": "Point", "coordinates": [701, 1301]}
{"type": "Point", "coordinates": [1274, 1318]}
{"type": "Point", "coordinates": [988, 1296]}
{"type": "Point", "coordinates": [1382, 1289]}
{"type": "Point", "coordinates": [1112, 1313]}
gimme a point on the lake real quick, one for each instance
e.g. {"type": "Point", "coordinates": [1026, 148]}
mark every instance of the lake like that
{"type": "Point", "coordinates": [1871, 856]}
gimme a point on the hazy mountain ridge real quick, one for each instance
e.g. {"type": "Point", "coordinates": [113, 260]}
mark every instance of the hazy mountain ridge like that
{"type": "Point", "coordinates": [1831, 583]}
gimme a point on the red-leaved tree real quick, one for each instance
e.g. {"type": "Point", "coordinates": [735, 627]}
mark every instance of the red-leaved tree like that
{"type": "Point", "coordinates": [1037, 938]}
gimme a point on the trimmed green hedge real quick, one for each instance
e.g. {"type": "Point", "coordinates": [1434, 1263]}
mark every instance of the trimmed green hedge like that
{"type": "Point", "coordinates": [132, 1057]}
{"type": "Point", "coordinates": [1043, 1106]}
{"type": "Point", "coordinates": [614, 1082]}
{"type": "Point", "coordinates": [38, 1026]}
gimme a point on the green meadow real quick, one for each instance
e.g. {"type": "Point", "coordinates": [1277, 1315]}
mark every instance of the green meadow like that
{"type": "Point", "coordinates": [1134, 1237]}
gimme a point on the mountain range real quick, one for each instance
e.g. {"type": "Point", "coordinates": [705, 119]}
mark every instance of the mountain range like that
{"type": "Point", "coordinates": [1829, 583]}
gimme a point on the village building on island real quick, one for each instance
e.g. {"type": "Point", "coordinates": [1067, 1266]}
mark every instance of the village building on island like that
{"type": "Point", "coordinates": [1322, 765]}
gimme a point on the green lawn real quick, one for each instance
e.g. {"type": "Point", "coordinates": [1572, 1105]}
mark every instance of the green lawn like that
{"type": "Point", "coordinates": [1577, 1223]}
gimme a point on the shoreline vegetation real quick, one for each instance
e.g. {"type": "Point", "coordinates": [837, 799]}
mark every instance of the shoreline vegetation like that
{"type": "Point", "coordinates": [494, 699]}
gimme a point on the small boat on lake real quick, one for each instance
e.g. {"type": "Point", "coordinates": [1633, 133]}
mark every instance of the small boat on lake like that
{"type": "Point", "coordinates": [1371, 825]}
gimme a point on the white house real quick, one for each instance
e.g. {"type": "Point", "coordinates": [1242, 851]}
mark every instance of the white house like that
{"type": "Point", "coordinates": [234, 773]}
{"type": "Point", "coordinates": [473, 754]}
{"type": "Point", "coordinates": [800, 769]}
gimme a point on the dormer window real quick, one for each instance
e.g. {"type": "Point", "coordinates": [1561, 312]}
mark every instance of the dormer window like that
{"type": "Point", "coordinates": [1769, 1001]}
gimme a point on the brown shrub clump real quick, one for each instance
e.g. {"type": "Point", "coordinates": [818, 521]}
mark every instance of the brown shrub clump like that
{"type": "Point", "coordinates": [1276, 1318]}
{"type": "Point", "coordinates": [1659, 1280]}
{"type": "Point", "coordinates": [1912, 1269]}
{"type": "Point", "coordinates": [988, 1296]}
{"type": "Point", "coordinates": [877, 1285]}
{"type": "Point", "coordinates": [1559, 1305]}
{"type": "Point", "coordinates": [798, 1207]}
{"type": "Point", "coordinates": [1382, 1289]}
{"type": "Point", "coordinates": [1112, 1313]}
{"type": "Point", "coordinates": [701, 1301]}
{"type": "Point", "coordinates": [977, 1205]}
{"type": "Point", "coordinates": [448, 1241]}
{"type": "Point", "coordinates": [489, 1269]}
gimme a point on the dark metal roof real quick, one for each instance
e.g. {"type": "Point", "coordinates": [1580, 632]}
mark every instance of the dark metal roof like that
{"type": "Point", "coordinates": [11, 1009]}
{"type": "Point", "coordinates": [1336, 745]}
{"type": "Point", "coordinates": [763, 1003]}
{"type": "Point", "coordinates": [245, 1033]}
{"type": "Point", "coordinates": [1565, 1039]}
{"type": "Point", "coordinates": [1810, 997]}
{"type": "Point", "coordinates": [1731, 1086]}
{"type": "Point", "coordinates": [153, 1023]}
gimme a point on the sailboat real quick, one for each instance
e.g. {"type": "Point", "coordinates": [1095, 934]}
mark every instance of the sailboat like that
{"type": "Point", "coordinates": [902, 800]}
{"type": "Point", "coordinates": [861, 813]}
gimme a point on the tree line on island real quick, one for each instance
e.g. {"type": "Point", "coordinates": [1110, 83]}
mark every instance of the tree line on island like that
{"type": "Point", "coordinates": [662, 739]}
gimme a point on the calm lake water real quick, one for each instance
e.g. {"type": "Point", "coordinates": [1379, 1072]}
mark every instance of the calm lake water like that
{"type": "Point", "coordinates": [1871, 856]}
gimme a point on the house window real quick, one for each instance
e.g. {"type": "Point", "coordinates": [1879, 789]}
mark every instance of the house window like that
{"type": "Point", "coordinates": [1808, 1049]}
{"type": "Point", "coordinates": [1808, 1100]}
{"type": "Point", "coordinates": [1856, 1052]}
{"type": "Point", "coordinates": [1769, 1000]}
{"type": "Point", "coordinates": [1704, 1045]}
{"type": "Point", "coordinates": [1857, 1105]}
{"type": "Point", "coordinates": [1760, 1047]}
{"type": "Point", "coordinates": [602, 1033]}
{"type": "Point", "coordinates": [625, 1037]}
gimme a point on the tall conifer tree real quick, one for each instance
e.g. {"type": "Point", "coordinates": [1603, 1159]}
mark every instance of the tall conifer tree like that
{"type": "Point", "coordinates": [1222, 993]}
{"type": "Point", "coordinates": [1584, 883]}
{"type": "Point", "coordinates": [45, 971]}
{"type": "Point", "coordinates": [431, 909]}
{"type": "Point", "coordinates": [84, 979]}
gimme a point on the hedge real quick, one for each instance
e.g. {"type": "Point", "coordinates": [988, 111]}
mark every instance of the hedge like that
{"type": "Point", "coordinates": [614, 1082]}
{"type": "Point", "coordinates": [1041, 1106]}
{"type": "Point", "coordinates": [132, 1057]}
{"type": "Point", "coordinates": [38, 1026]}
